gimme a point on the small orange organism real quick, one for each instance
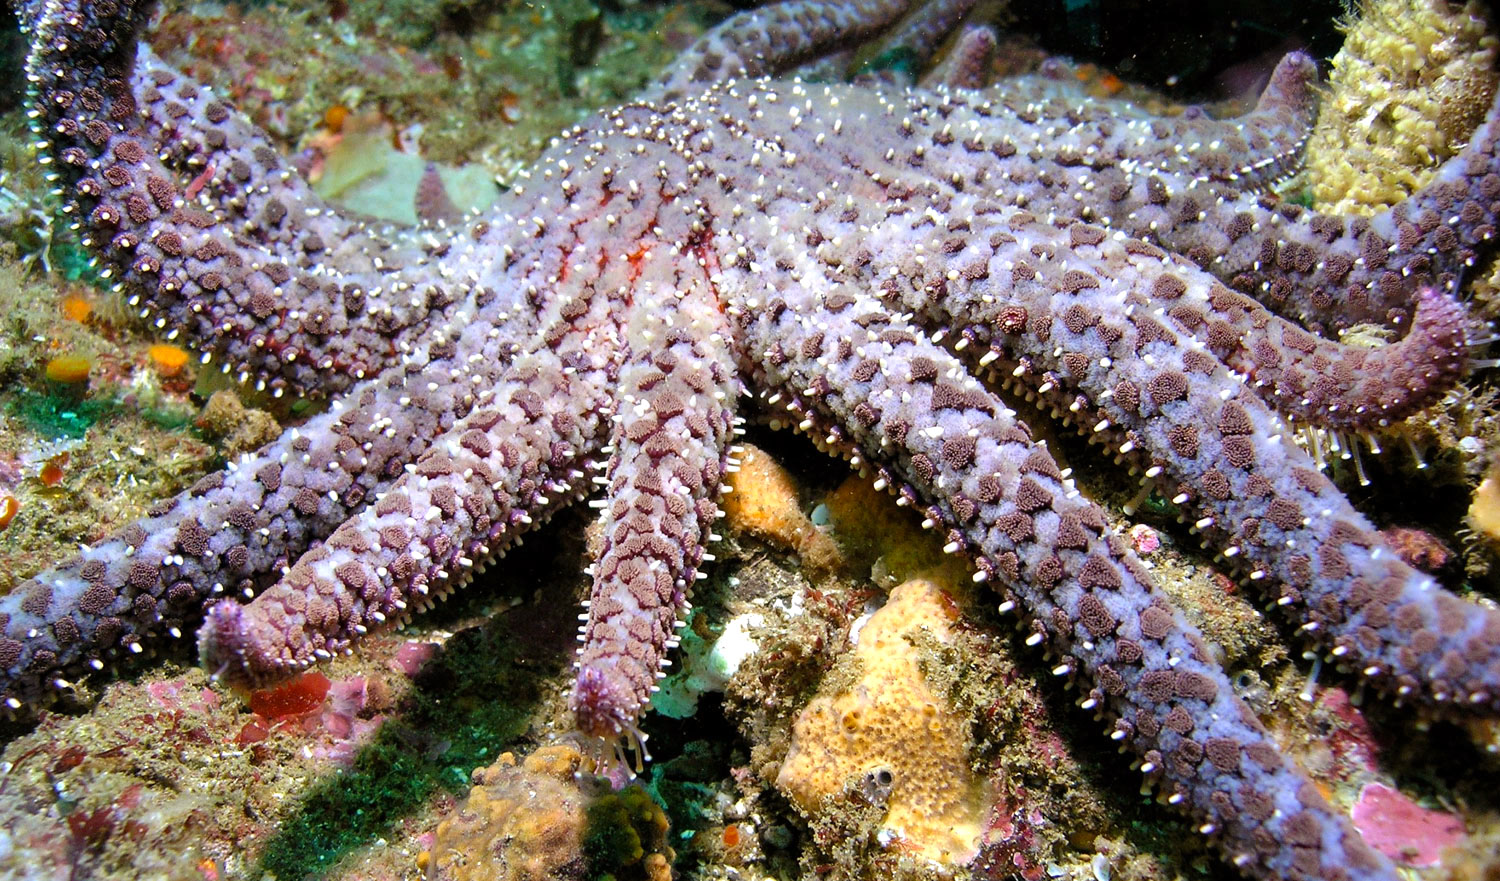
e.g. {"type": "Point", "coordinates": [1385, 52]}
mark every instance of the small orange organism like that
{"type": "Point", "coordinates": [333, 118]}
{"type": "Point", "coordinates": [77, 307]}
{"type": "Point", "coordinates": [69, 369]}
{"type": "Point", "coordinates": [52, 472]}
{"type": "Point", "coordinates": [168, 359]}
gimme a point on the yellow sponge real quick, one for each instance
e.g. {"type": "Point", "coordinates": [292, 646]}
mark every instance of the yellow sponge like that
{"type": "Point", "coordinates": [1410, 84]}
{"type": "Point", "coordinates": [888, 738]}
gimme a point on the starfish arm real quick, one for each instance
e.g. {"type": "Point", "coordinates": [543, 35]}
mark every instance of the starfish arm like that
{"type": "Point", "coordinates": [268, 279]}
{"type": "Point", "coordinates": [1192, 185]}
{"type": "Point", "coordinates": [908, 49]}
{"type": "Point", "coordinates": [1306, 378]}
{"type": "Point", "coordinates": [670, 450]}
{"type": "Point", "coordinates": [233, 167]}
{"type": "Point", "coordinates": [945, 441]}
{"type": "Point", "coordinates": [1100, 158]}
{"type": "Point", "coordinates": [1332, 272]}
{"type": "Point", "coordinates": [968, 65]}
{"type": "Point", "coordinates": [222, 536]}
{"type": "Point", "coordinates": [433, 205]}
{"type": "Point", "coordinates": [1317, 382]}
{"type": "Point", "coordinates": [1106, 160]}
{"type": "Point", "coordinates": [232, 531]}
{"type": "Point", "coordinates": [766, 41]}
{"type": "Point", "coordinates": [519, 456]}
{"type": "Point", "coordinates": [922, 32]}
{"type": "Point", "coordinates": [1289, 367]}
{"type": "Point", "coordinates": [1094, 350]}
{"type": "Point", "coordinates": [1264, 501]}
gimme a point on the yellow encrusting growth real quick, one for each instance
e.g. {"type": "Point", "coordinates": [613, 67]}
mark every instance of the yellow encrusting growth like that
{"type": "Point", "coordinates": [889, 738]}
{"type": "Point", "coordinates": [520, 823]}
{"type": "Point", "coordinates": [764, 503]}
{"type": "Point", "coordinates": [1484, 510]}
{"type": "Point", "coordinates": [545, 818]}
{"type": "Point", "coordinates": [1407, 89]}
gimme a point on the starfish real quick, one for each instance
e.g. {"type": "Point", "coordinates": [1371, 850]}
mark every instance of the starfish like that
{"type": "Point", "coordinates": [879, 263]}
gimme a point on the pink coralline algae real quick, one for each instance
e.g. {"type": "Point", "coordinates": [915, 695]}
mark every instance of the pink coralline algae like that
{"type": "Point", "coordinates": [174, 694]}
{"type": "Point", "coordinates": [1402, 829]}
{"type": "Point", "coordinates": [860, 259]}
{"type": "Point", "coordinates": [1144, 540]}
{"type": "Point", "coordinates": [412, 656]}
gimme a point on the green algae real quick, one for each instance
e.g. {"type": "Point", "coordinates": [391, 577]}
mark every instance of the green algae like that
{"type": "Point", "coordinates": [57, 416]}
{"type": "Point", "coordinates": [66, 414]}
{"type": "Point", "coordinates": [388, 781]}
{"type": "Point", "coordinates": [74, 264]}
{"type": "Point", "coordinates": [688, 785]}
{"type": "Point", "coordinates": [411, 760]}
{"type": "Point", "coordinates": [901, 60]}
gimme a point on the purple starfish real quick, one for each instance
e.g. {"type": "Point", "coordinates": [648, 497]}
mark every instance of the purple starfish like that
{"type": "Point", "coordinates": [862, 258]}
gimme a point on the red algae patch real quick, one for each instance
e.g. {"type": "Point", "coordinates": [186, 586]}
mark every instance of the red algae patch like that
{"type": "Point", "coordinates": [301, 695]}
